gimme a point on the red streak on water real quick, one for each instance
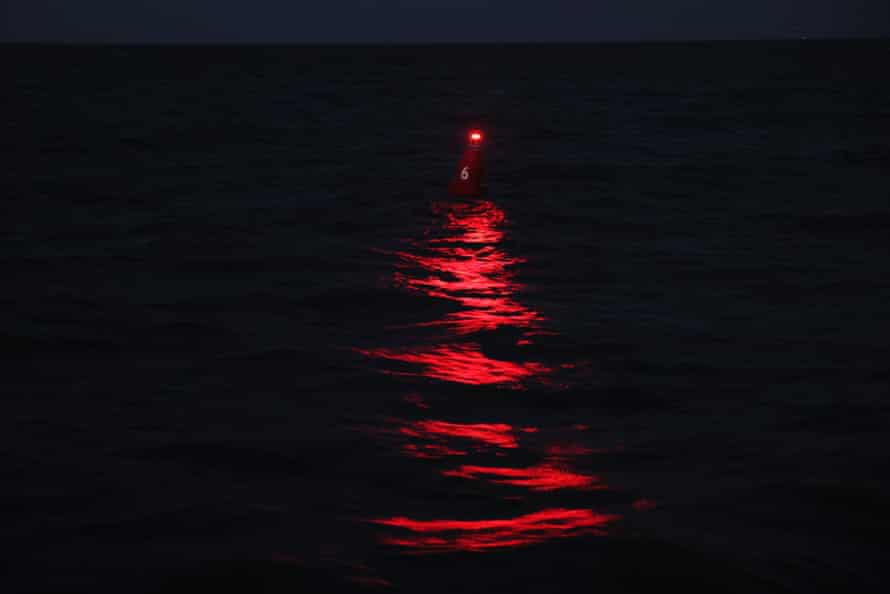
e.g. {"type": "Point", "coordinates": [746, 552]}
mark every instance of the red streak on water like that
{"type": "Point", "coordinates": [543, 477]}
{"type": "Point", "coordinates": [494, 434]}
{"type": "Point", "coordinates": [568, 450]}
{"type": "Point", "coordinates": [489, 314]}
{"type": "Point", "coordinates": [469, 269]}
{"type": "Point", "coordinates": [476, 278]}
{"type": "Point", "coordinates": [432, 536]}
{"type": "Point", "coordinates": [430, 451]}
{"type": "Point", "coordinates": [475, 223]}
{"type": "Point", "coordinates": [463, 363]}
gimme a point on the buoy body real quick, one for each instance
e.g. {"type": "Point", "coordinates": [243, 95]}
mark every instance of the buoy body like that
{"type": "Point", "coordinates": [467, 181]}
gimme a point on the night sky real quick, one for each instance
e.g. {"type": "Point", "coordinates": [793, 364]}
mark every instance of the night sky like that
{"type": "Point", "coordinates": [358, 21]}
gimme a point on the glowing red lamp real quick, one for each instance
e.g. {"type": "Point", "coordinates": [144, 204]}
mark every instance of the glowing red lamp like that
{"type": "Point", "coordinates": [467, 182]}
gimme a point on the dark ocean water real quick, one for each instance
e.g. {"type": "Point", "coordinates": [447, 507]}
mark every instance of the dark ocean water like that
{"type": "Point", "coordinates": [251, 344]}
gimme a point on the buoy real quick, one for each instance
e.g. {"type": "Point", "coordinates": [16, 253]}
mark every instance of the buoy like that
{"type": "Point", "coordinates": [468, 181]}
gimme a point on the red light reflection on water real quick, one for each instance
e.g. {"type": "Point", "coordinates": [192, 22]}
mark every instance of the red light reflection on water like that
{"type": "Point", "coordinates": [475, 273]}
{"type": "Point", "coordinates": [489, 314]}
{"type": "Point", "coordinates": [467, 268]}
{"type": "Point", "coordinates": [543, 477]}
{"type": "Point", "coordinates": [430, 450]}
{"type": "Point", "coordinates": [479, 279]}
{"type": "Point", "coordinates": [431, 536]}
{"type": "Point", "coordinates": [499, 435]}
{"type": "Point", "coordinates": [484, 269]}
{"type": "Point", "coordinates": [474, 223]}
{"type": "Point", "coordinates": [569, 450]}
{"type": "Point", "coordinates": [463, 363]}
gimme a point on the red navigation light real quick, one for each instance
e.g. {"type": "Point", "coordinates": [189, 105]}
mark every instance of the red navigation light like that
{"type": "Point", "coordinates": [475, 137]}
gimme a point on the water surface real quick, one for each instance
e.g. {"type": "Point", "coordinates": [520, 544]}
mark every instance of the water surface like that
{"type": "Point", "coordinates": [253, 345]}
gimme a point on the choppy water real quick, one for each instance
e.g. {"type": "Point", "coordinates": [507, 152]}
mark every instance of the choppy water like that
{"type": "Point", "coordinates": [252, 345]}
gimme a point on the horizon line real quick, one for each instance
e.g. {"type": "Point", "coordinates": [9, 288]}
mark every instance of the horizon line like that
{"type": "Point", "coordinates": [161, 43]}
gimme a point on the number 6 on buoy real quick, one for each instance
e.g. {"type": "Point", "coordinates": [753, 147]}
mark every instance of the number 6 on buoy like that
{"type": "Point", "coordinates": [467, 183]}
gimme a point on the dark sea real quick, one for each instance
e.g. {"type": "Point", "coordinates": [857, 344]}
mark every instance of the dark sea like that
{"type": "Point", "coordinates": [251, 344]}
